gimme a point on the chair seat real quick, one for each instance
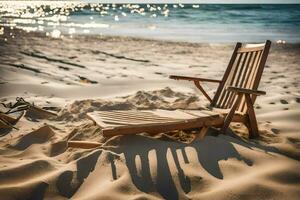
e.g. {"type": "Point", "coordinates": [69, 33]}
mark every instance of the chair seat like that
{"type": "Point", "coordinates": [152, 121]}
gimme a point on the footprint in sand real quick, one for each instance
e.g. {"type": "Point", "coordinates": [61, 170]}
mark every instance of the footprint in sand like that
{"type": "Point", "coordinates": [86, 80]}
{"type": "Point", "coordinates": [294, 140]}
{"type": "Point", "coordinates": [200, 66]}
{"type": "Point", "coordinates": [283, 101]}
{"type": "Point", "coordinates": [298, 99]}
{"type": "Point", "coordinates": [276, 77]}
{"type": "Point", "coordinates": [64, 68]}
{"type": "Point", "coordinates": [275, 130]}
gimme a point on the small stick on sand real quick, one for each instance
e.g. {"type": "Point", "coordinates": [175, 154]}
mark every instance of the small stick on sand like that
{"type": "Point", "coordinates": [83, 144]}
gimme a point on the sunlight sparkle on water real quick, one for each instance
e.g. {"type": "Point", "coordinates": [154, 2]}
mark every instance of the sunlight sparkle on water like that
{"type": "Point", "coordinates": [55, 34]}
{"type": "Point", "coordinates": [56, 18]}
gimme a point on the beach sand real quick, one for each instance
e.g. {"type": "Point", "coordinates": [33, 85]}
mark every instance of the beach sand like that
{"type": "Point", "coordinates": [86, 73]}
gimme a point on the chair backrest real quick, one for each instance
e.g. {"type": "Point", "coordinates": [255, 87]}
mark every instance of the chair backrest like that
{"type": "Point", "coordinates": [244, 70]}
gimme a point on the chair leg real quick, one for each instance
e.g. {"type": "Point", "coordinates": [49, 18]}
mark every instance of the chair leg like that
{"type": "Point", "coordinates": [251, 118]}
{"type": "Point", "coordinates": [230, 115]}
{"type": "Point", "coordinates": [197, 84]}
{"type": "Point", "coordinates": [203, 132]}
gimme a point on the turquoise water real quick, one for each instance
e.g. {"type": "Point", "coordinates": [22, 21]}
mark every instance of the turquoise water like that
{"type": "Point", "coordinates": [194, 23]}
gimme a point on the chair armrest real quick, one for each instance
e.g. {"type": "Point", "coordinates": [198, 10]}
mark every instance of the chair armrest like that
{"type": "Point", "coordinates": [245, 91]}
{"type": "Point", "coordinates": [193, 79]}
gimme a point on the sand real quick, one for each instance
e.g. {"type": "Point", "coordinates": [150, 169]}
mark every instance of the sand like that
{"type": "Point", "coordinates": [77, 75]}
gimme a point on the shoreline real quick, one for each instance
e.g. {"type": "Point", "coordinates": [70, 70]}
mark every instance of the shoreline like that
{"type": "Point", "coordinates": [18, 31]}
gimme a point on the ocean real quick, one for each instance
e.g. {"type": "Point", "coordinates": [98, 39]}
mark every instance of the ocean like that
{"type": "Point", "coordinates": [180, 22]}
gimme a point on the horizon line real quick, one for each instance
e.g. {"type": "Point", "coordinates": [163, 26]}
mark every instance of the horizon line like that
{"type": "Point", "coordinates": [171, 1]}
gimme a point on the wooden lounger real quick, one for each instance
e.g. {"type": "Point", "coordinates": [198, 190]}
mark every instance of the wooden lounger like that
{"type": "Point", "coordinates": [234, 97]}
{"type": "Point", "coordinates": [154, 121]}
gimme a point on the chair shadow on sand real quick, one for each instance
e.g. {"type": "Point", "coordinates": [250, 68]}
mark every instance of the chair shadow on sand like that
{"type": "Point", "coordinates": [209, 151]}
{"type": "Point", "coordinates": [69, 182]}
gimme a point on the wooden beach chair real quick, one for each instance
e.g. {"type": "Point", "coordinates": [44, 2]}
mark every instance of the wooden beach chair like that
{"type": "Point", "coordinates": [11, 113]}
{"type": "Point", "coordinates": [232, 102]}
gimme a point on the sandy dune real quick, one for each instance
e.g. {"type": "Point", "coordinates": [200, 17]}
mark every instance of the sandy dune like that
{"type": "Point", "coordinates": [82, 74]}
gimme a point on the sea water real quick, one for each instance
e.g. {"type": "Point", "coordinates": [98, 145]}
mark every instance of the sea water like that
{"type": "Point", "coordinates": [179, 22]}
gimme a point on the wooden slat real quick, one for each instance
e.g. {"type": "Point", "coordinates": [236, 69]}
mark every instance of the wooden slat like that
{"type": "Point", "coordinates": [254, 72]}
{"type": "Point", "coordinates": [154, 114]}
{"type": "Point", "coordinates": [226, 74]}
{"type": "Point", "coordinates": [262, 64]}
{"type": "Point", "coordinates": [242, 84]}
{"type": "Point", "coordinates": [116, 120]}
{"type": "Point", "coordinates": [114, 124]}
{"type": "Point", "coordinates": [128, 113]}
{"type": "Point", "coordinates": [246, 83]}
{"type": "Point", "coordinates": [252, 77]}
{"type": "Point", "coordinates": [138, 116]}
{"type": "Point", "coordinates": [188, 78]}
{"type": "Point", "coordinates": [250, 49]}
{"type": "Point", "coordinates": [163, 127]}
{"type": "Point", "coordinates": [238, 79]}
{"type": "Point", "coordinates": [261, 67]}
{"type": "Point", "coordinates": [135, 121]}
{"type": "Point", "coordinates": [245, 71]}
{"type": "Point", "coordinates": [249, 45]}
{"type": "Point", "coordinates": [243, 79]}
{"type": "Point", "coordinates": [231, 80]}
